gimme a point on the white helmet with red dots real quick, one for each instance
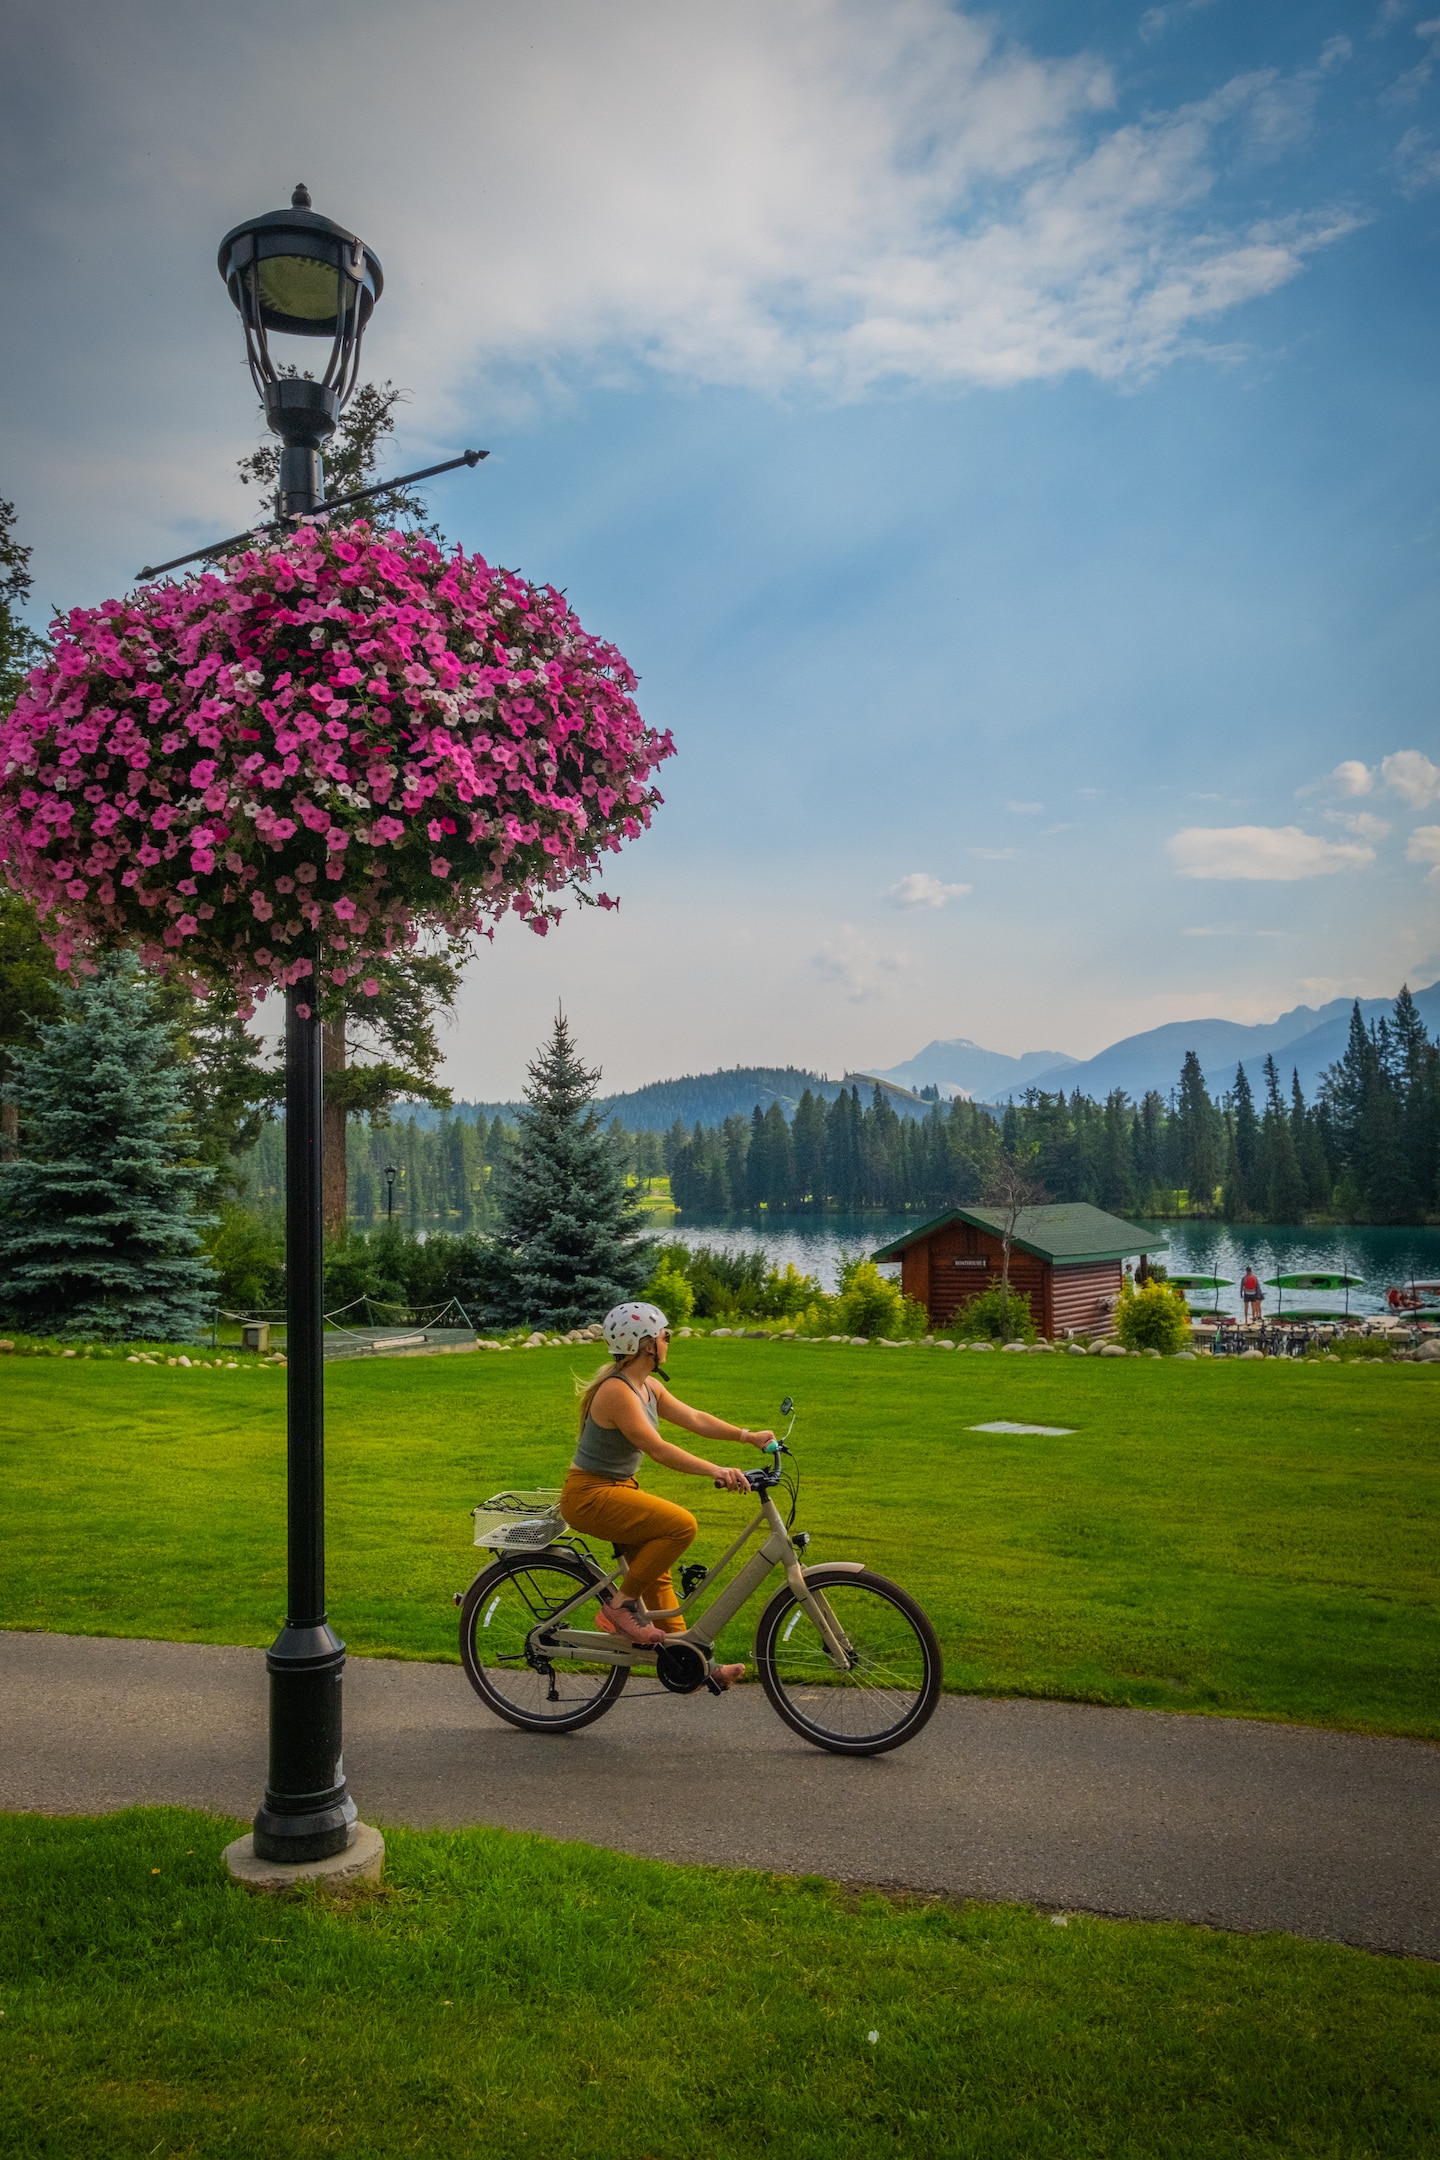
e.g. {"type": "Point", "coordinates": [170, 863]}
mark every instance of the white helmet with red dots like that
{"type": "Point", "coordinates": [627, 1326]}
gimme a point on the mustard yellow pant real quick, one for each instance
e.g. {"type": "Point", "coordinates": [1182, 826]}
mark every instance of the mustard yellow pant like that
{"type": "Point", "coordinates": [649, 1532]}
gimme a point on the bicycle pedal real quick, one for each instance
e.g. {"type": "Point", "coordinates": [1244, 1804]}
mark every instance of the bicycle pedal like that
{"type": "Point", "coordinates": [716, 1687]}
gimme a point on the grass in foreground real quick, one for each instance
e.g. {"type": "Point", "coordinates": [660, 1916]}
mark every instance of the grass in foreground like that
{"type": "Point", "coordinates": [1250, 1538]}
{"type": "Point", "coordinates": [504, 1995]}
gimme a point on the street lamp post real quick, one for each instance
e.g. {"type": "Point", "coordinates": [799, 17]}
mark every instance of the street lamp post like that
{"type": "Point", "coordinates": [390, 1176]}
{"type": "Point", "coordinates": [294, 271]}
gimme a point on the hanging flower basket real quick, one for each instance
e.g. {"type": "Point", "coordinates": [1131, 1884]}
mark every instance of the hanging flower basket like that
{"type": "Point", "coordinates": [332, 743]}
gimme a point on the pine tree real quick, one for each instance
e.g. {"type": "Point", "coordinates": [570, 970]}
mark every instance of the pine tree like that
{"type": "Point", "coordinates": [807, 1136]}
{"type": "Point", "coordinates": [1242, 1185]}
{"type": "Point", "coordinates": [1147, 1147]}
{"type": "Point", "coordinates": [1284, 1187]}
{"type": "Point", "coordinates": [1115, 1180]}
{"type": "Point", "coordinates": [1197, 1138]}
{"type": "Point", "coordinates": [20, 649]}
{"type": "Point", "coordinates": [1363, 1100]}
{"type": "Point", "coordinates": [101, 1237]}
{"type": "Point", "coordinates": [1308, 1136]}
{"type": "Point", "coordinates": [1417, 1063]}
{"type": "Point", "coordinates": [29, 994]}
{"type": "Point", "coordinates": [569, 1218]}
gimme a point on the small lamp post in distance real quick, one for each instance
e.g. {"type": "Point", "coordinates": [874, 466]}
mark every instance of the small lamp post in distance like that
{"type": "Point", "coordinates": [391, 1174]}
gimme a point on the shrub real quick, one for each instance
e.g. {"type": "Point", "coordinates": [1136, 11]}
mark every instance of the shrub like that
{"type": "Point", "coordinates": [994, 1317]}
{"type": "Point", "coordinates": [1152, 1318]}
{"type": "Point", "coordinates": [785, 1293]}
{"type": "Point", "coordinates": [669, 1289]}
{"type": "Point", "coordinates": [248, 1251]}
{"type": "Point", "coordinates": [724, 1283]}
{"type": "Point", "coordinates": [730, 1285]}
{"type": "Point", "coordinates": [870, 1303]}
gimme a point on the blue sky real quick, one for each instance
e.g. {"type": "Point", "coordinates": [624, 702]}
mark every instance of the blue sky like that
{"type": "Point", "coordinates": [1005, 444]}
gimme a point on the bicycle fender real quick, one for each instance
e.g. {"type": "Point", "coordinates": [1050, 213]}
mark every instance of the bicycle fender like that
{"type": "Point", "coordinates": [843, 1567]}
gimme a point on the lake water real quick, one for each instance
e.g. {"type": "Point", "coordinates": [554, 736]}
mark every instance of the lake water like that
{"type": "Point", "coordinates": [816, 1244]}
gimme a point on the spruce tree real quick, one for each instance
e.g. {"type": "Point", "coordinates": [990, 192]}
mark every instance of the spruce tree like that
{"type": "Point", "coordinates": [1283, 1184]}
{"type": "Point", "coordinates": [1306, 1130]}
{"type": "Point", "coordinates": [1115, 1181]}
{"type": "Point", "coordinates": [29, 994]}
{"type": "Point", "coordinates": [569, 1218]}
{"type": "Point", "coordinates": [1197, 1138]}
{"type": "Point", "coordinates": [1243, 1187]}
{"type": "Point", "coordinates": [98, 1230]}
{"type": "Point", "coordinates": [808, 1141]}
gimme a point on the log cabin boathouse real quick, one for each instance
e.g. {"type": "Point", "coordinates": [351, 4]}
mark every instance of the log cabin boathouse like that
{"type": "Point", "coordinates": [1066, 1258]}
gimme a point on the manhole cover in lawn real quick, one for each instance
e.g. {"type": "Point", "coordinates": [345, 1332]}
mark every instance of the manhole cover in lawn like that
{"type": "Point", "coordinates": [1051, 1432]}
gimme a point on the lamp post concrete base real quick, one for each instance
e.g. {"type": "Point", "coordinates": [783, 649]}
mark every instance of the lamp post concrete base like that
{"type": "Point", "coordinates": [361, 1861]}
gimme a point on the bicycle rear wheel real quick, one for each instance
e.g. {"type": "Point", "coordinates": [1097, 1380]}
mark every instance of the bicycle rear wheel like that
{"type": "Point", "coordinates": [539, 1693]}
{"type": "Point", "coordinates": [893, 1682]}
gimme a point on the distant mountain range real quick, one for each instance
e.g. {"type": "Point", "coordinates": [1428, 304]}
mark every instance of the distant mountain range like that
{"type": "Point", "coordinates": [961, 1067]}
{"type": "Point", "coordinates": [704, 1098]}
{"type": "Point", "coordinates": [1306, 1039]}
{"type": "Point", "coordinates": [709, 1098]}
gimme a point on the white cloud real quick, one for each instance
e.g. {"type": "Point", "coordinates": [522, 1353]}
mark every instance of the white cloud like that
{"type": "Point", "coordinates": [994, 854]}
{"type": "Point", "coordinates": [1425, 848]}
{"type": "Point", "coordinates": [1230, 930]}
{"type": "Point", "coordinates": [1363, 823]}
{"type": "Point", "coordinates": [1411, 774]}
{"type": "Point", "coordinates": [826, 194]}
{"type": "Point", "coordinates": [1157, 20]}
{"type": "Point", "coordinates": [863, 972]}
{"type": "Point", "coordinates": [1026, 809]}
{"type": "Point", "coordinates": [1417, 160]}
{"type": "Point", "coordinates": [920, 889]}
{"type": "Point", "coordinates": [1280, 853]}
{"type": "Point", "coordinates": [1353, 778]}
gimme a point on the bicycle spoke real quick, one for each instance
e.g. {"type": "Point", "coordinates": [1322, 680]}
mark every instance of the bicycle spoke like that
{"type": "Point", "coordinates": [556, 1688]}
{"type": "Point", "coordinates": [889, 1686]}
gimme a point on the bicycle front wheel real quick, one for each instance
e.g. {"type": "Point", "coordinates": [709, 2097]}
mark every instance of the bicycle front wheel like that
{"type": "Point", "coordinates": [539, 1692]}
{"type": "Point", "coordinates": [891, 1683]}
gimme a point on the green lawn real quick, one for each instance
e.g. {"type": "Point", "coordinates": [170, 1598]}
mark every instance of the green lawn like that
{"type": "Point", "coordinates": [1254, 1539]}
{"type": "Point", "coordinates": [502, 1995]}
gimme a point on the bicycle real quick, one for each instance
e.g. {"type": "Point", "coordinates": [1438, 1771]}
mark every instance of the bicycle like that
{"type": "Point", "coordinates": [846, 1657]}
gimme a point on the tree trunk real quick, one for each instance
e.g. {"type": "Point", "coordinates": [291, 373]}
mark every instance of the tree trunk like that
{"type": "Point", "coordinates": [9, 1131]}
{"type": "Point", "coordinates": [333, 1129]}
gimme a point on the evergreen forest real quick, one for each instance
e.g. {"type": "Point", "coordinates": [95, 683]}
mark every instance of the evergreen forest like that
{"type": "Point", "coordinates": [1365, 1150]}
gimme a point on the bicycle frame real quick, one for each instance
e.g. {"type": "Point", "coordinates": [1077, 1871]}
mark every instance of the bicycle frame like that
{"type": "Point", "coordinates": [778, 1550]}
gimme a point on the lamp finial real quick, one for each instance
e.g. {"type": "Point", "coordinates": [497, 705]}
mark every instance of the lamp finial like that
{"type": "Point", "coordinates": [300, 200]}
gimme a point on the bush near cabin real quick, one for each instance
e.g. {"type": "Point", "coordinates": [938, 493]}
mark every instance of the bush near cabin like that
{"type": "Point", "coordinates": [1152, 1317]}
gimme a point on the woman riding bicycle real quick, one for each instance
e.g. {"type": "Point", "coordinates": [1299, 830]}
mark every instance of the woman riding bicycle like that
{"type": "Point", "coordinates": [620, 1415]}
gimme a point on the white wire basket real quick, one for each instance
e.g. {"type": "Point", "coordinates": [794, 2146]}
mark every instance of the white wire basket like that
{"type": "Point", "coordinates": [519, 1521]}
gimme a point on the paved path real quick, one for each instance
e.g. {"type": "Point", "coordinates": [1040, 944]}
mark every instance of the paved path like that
{"type": "Point", "coordinates": [1147, 1813]}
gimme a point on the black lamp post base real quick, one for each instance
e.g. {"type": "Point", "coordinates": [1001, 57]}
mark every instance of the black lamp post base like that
{"type": "Point", "coordinates": [362, 1861]}
{"type": "Point", "coordinates": [307, 1812]}
{"type": "Point", "coordinates": [295, 1839]}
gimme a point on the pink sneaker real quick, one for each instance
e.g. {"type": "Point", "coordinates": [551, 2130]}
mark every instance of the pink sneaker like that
{"type": "Point", "coordinates": [621, 1616]}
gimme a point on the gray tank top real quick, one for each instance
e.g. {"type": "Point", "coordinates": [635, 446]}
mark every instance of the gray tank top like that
{"type": "Point", "coordinates": [605, 1452]}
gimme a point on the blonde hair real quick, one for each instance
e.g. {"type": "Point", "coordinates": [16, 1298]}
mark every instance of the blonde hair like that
{"type": "Point", "coordinates": [587, 1390]}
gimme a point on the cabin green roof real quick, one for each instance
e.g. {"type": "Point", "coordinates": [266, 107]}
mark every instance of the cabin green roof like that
{"type": "Point", "coordinates": [1065, 1232]}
